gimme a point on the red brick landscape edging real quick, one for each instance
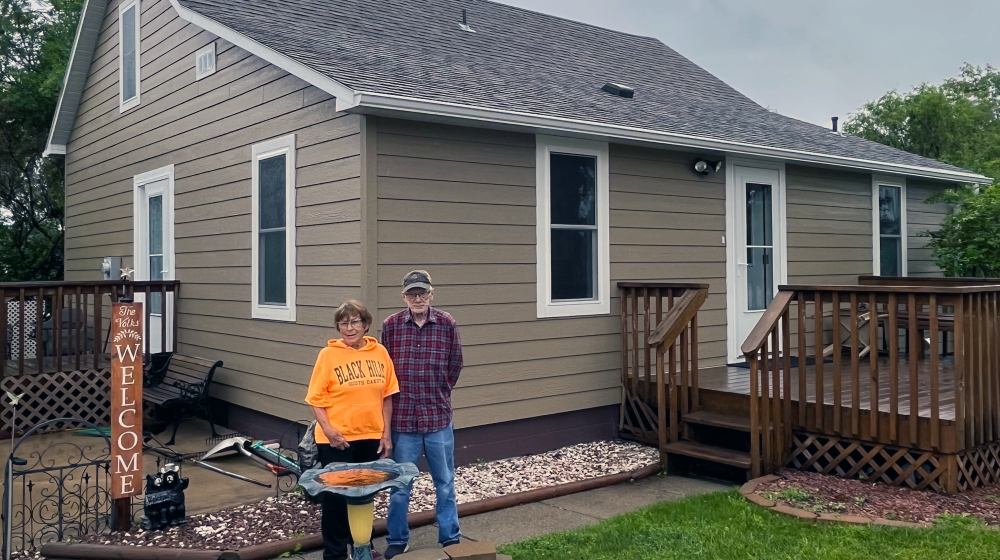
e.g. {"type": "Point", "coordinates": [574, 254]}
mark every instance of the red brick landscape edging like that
{"type": "Point", "coordinates": [749, 491]}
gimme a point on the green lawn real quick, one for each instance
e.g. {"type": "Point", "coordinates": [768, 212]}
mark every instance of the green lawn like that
{"type": "Point", "coordinates": [723, 526]}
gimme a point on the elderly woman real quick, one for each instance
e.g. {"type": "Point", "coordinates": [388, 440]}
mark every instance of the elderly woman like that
{"type": "Point", "coordinates": [350, 394]}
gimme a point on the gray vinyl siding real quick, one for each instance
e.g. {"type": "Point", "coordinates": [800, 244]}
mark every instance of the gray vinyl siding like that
{"type": "Point", "coordinates": [922, 217]}
{"type": "Point", "coordinates": [667, 225]}
{"type": "Point", "coordinates": [206, 130]}
{"type": "Point", "coordinates": [829, 225]}
{"type": "Point", "coordinates": [460, 202]}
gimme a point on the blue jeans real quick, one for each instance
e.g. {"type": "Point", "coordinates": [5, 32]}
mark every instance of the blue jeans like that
{"type": "Point", "coordinates": [439, 448]}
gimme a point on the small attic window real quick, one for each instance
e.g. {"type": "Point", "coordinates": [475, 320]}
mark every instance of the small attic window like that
{"type": "Point", "coordinates": [619, 90]}
{"type": "Point", "coordinates": [204, 62]}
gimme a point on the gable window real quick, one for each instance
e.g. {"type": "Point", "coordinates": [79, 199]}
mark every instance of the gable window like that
{"type": "Point", "coordinates": [204, 63]}
{"type": "Point", "coordinates": [573, 276]}
{"type": "Point", "coordinates": [128, 55]}
{"type": "Point", "coordinates": [889, 226]}
{"type": "Point", "coordinates": [273, 290]}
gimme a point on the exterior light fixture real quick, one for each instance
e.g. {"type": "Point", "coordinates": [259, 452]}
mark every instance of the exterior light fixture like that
{"type": "Point", "coordinates": [706, 167]}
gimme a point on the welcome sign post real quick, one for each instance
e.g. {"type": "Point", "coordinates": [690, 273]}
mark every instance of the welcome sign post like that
{"type": "Point", "coordinates": [126, 409]}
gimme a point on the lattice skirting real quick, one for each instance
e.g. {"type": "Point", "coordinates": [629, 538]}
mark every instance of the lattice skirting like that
{"type": "Point", "coordinates": [979, 467]}
{"type": "Point", "coordinates": [83, 395]}
{"type": "Point", "coordinates": [849, 458]}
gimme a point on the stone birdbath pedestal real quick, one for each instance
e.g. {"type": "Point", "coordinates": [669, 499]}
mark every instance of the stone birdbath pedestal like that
{"type": "Point", "coordinates": [358, 483]}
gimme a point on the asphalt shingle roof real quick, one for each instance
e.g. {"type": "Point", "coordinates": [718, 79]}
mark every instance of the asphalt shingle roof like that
{"type": "Point", "coordinates": [524, 61]}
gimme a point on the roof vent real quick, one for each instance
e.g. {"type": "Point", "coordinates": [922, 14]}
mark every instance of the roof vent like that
{"type": "Point", "coordinates": [464, 26]}
{"type": "Point", "coordinates": [619, 90]}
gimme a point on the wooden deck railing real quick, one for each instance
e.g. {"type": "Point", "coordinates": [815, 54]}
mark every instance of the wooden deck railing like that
{"type": "Point", "coordinates": [870, 362]}
{"type": "Point", "coordinates": [48, 327]}
{"type": "Point", "coordinates": [659, 334]}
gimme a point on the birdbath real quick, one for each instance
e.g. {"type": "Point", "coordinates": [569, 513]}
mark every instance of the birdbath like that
{"type": "Point", "coordinates": [358, 483]}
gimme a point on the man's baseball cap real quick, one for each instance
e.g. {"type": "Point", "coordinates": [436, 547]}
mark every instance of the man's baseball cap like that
{"type": "Point", "coordinates": [417, 279]}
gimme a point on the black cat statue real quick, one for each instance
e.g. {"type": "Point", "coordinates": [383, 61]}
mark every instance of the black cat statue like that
{"type": "Point", "coordinates": [164, 502]}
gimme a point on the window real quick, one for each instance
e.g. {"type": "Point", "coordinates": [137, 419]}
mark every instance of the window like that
{"type": "Point", "coordinates": [572, 227]}
{"type": "Point", "coordinates": [204, 63]}
{"type": "Point", "coordinates": [889, 226]}
{"type": "Point", "coordinates": [128, 55]}
{"type": "Point", "coordinates": [273, 290]}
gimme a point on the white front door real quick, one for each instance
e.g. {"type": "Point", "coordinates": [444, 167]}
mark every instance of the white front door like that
{"type": "Point", "coordinates": [154, 255]}
{"type": "Point", "coordinates": [758, 252]}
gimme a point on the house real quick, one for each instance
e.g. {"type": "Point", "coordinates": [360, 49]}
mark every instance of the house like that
{"type": "Point", "coordinates": [277, 158]}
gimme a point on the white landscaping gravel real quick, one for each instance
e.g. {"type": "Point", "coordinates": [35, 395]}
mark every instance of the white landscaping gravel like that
{"type": "Point", "coordinates": [291, 515]}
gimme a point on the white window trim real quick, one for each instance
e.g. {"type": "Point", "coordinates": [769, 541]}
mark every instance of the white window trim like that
{"type": "Point", "coordinates": [544, 146]}
{"type": "Point", "coordinates": [125, 105]}
{"type": "Point", "coordinates": [888, 181]}
{"type": "Point", "coordinates": [209, 49]}
{"type": "Point", "coordinates": [284, 145]}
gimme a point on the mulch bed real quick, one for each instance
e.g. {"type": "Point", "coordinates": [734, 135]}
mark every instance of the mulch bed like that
{"type": "Point", "coordinates": [292, 515]}
{"type": "Point", "coordinates": [829, 494]}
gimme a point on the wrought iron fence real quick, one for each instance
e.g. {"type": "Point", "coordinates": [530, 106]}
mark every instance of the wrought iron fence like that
{"type": "Point", "coordinates": [61, 492]}
{"type": "Point", "coordinates": [57, 493]}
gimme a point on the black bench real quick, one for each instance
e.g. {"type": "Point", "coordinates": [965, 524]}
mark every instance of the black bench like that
{"type": "Point", "coordinates": [182, 393]}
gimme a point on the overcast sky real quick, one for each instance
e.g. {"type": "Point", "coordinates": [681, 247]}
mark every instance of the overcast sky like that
{"type": "Point", "coordinates": [808, 59]}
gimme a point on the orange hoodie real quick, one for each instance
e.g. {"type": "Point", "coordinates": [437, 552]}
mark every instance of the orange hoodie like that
{"type": "Point", "coordinates": [350, 384]}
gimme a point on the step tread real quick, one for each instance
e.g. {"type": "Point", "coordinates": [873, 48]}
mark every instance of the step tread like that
{"type": "Point", "coordinates": [710, 452]}
{"type": "Point", "coordinates": [718, 419]}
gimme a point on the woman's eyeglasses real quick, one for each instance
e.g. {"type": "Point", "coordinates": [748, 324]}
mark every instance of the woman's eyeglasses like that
{"type": "Point", "coordinates": [356, 323]}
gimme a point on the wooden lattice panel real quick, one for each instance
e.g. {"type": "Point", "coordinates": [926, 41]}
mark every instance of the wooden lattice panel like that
{"type": "Point", "coordinates": [979, 467]}
{"type": "Point", "coordinates": [83, 395]}
{"type": "Point", "coordinates": [638, 420]}
{"type": "Point", "coordinates": [14, 320]}
{"type": "Point", "coordinates": [849, 458]}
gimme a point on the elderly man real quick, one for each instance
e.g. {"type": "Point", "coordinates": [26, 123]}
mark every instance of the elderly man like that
{"type": "Point", "coordinates": [426, 351]}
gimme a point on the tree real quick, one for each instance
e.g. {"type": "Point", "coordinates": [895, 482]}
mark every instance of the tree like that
{"type": "Point", "coordinates": [35, 42]}
{"type": "Point", "coordinates": [968, 242]}
{"type": "Point", "coordinates": [957, 122]}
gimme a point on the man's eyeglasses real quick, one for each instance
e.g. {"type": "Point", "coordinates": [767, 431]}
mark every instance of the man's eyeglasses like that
{"type": "Point", "coordinates": [418, 296]}
{"type": "Point", "coordinates": [356, 323]}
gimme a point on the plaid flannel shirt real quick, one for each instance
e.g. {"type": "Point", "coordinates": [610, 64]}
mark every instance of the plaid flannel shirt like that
{"type": "Point", "coordinates": [428, 361]}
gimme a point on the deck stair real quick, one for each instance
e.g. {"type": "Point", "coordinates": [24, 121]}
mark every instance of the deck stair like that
{"type": "Point", "coordinates": [718, 420]}
{"type": "Point", "coordinates": [725, 456]}
{"type": "Point", "coordinates": [713, 436]}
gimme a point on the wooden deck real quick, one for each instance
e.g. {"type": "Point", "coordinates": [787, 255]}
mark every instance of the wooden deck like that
{"type": "Point", "coordinates": [49, 364]}
{"type": "Point", "coordinates": [934, 426]}
{"type": "Point", "coordinates": [736, 380]}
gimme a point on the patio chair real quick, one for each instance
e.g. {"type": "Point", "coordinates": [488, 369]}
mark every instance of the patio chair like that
{"type": "Point", "coordinates": [864, 324]}
{"type": "Point", "coordinates": [71, 320]}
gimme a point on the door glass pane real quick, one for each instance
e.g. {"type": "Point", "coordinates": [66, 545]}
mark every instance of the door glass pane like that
{"type": "Point", "coordinates": [890, 256]}
{"type": "Point", "coordinates": [573, 259]}
{"type": "Point", "coordinates": [128, 54]}
{"type": "Point", "coordinates": [759, 229]}
{"type": "Point", "coordinates": [155, 250]}
{"type": "Point", "coordinates": [271, 180]}
{"type": "Point", "coordinates": [272, 268]}
{"type": "Point", "coordinates": [573, 189]}
{"type": "Point", "coordinates": [155, 226]}
{"type": "Point", "coordinates": [889, 210]}
{"type": "Point", "coordinates": [760, 257]}
{"type": "Point", "coordinates": [760, 278]}
{"type": "Point", "coordinates": [155, 273]}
